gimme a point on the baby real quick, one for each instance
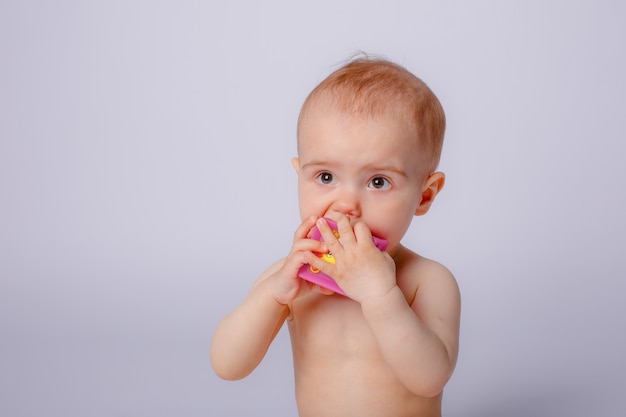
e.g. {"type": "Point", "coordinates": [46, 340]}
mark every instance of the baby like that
{"type": "Point", "coordinates": [369, 141]}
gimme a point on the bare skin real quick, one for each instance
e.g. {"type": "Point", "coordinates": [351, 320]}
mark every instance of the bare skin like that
{"type": "Point", "coordinates": [338, 352]}
{"type": "Point", "coordinates": [387, 348]}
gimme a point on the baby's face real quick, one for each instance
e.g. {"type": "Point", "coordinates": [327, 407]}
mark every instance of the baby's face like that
{"type": "Point", "coordinates": [365, 168]}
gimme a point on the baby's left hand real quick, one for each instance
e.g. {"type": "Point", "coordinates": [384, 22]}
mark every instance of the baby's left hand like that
{"type": "Point", "coordinates": [361, 269]}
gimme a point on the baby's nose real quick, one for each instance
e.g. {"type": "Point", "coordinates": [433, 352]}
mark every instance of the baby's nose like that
{"type": "Point", "coordinates": [348, 204]}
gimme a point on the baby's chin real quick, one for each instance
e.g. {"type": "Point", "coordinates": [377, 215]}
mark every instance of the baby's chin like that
{"type": "Point", "coordinates": [325, 291]}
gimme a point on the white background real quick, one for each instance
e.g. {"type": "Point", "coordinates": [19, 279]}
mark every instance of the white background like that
{"type": "Point", "coordinates": [145, 181]}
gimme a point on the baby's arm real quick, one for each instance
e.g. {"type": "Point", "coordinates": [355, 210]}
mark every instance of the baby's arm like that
{"type": "Point", "coordinates": [419, 342]}
{"type": "Point", "coordinates": [242, 338]}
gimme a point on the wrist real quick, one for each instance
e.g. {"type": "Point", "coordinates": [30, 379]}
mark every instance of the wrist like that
{"type": "Point", "coordinates": [279, 290]}
{"type": "Point", "coordinates": [386, 306]}
{"type": "Point", "coordinates": [267, 293]}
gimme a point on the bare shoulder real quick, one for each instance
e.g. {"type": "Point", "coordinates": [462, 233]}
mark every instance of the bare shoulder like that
{"type": "Point", "coordinates": [269, 271]}
{"type": "Point", "coordinates": [433, 293]}
{"type": "Point", "coordinates": [416, 273]}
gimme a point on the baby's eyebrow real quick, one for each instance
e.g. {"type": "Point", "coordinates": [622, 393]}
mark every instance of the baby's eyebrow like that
{"type": "Point", "coordinates": [368, 168]}
{"type": "Point", "coordinates": [388, 168]}
{"type": "Point", "coordinates": [316, 164]}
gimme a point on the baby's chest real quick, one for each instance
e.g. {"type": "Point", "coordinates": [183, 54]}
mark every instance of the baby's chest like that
{"type": "Point", "coordinates": [331, 324]}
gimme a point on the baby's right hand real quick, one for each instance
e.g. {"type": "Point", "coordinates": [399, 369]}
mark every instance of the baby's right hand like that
{"type": "Point", "coordinates": [285, 283]}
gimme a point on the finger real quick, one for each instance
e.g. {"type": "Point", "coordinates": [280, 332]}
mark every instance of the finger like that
{"type": "Point", "coordinates": [319, 263]}
{"type": "Point", "coordinates": [325, 291]}
{"type": "Point", "coordinates": [302, 253]}
{"type": "Point", "coordinates": [328, 236]}
{"type": "Point", "coordinates": [362, 232]}
{"type": "Point", "coordinates": [346, 234]}
{"type": "Point", "coordinates": [309, 245]}
{"type": "Point", "coordinates": [305, 227]}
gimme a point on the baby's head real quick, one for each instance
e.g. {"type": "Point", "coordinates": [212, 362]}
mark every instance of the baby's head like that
{"type": "Point", "coordinates": [376, 88]}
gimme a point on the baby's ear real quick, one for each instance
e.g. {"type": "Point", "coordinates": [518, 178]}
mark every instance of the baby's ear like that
{"type": "Point", "coordinates": [296, 164]}
{"type": "Point", "coordinates": [433, 184]}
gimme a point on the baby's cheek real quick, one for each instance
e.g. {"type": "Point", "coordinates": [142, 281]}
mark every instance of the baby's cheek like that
{"type": "Point", "coordinates": [310, 207]}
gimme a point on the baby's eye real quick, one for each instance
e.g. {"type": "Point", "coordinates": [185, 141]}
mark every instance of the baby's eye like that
{"type": "Point", "coordinates": [379, 183]}
{"type": "Point", "coordinates": [326, 178]}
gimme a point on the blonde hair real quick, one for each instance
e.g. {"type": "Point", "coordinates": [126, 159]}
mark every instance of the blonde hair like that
{"type": "Point", "coordinates": [377, 87]}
